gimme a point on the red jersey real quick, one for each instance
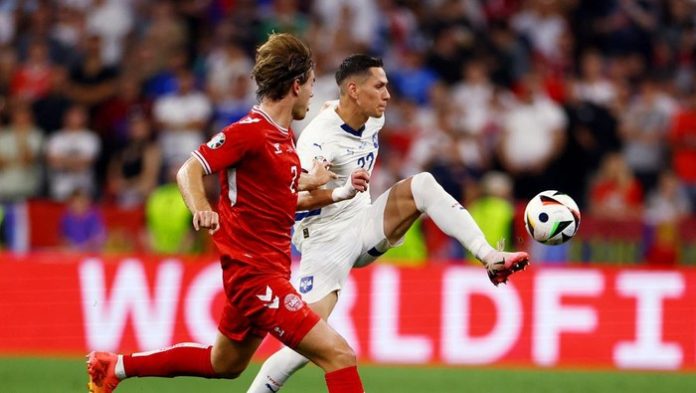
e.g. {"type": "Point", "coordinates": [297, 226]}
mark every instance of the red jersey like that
{"type": "Point", "coordinates": [258, 172]}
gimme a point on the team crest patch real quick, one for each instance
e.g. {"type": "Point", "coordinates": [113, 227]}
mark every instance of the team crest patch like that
{"type": "Point", "coordinates": [216, 141]}
{"type": "Point", "coordinates": [306, 284]}
{"type": "Point", "coordinates": [293, 302]}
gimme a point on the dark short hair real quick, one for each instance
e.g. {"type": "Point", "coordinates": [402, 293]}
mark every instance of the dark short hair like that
{"type": "Point", "coordinates": [279, 62]}
{"type": "Point", "coordinates": [356, 65]}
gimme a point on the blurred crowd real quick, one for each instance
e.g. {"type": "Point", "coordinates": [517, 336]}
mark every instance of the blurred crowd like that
{"type": "Point", "coordinates": [101, 100]}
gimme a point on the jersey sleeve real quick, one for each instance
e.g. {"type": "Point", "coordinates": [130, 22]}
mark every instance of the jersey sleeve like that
{"type": "Point", "coordinates": [228, 147]}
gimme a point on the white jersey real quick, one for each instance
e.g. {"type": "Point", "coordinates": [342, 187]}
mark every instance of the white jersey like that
{"type": "Point", "coordinates": [327, 136]}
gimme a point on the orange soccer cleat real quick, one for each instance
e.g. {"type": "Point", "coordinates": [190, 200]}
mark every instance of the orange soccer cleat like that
{"type": "Point", "coordinates": [101, 368]}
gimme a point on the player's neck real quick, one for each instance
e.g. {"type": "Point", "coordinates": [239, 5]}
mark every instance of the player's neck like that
{"type": "Point", "coordinates": [279, 111]}
{"type": "Point", "coordinates": [351, 115]}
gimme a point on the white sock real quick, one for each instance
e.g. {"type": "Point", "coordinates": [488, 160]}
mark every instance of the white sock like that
{"type": "Point", "coordinates": [448, 214]}
{"type": "Point", "coordinates": [276, 370]}
{"type": "Point", "coordinates": [119, 370]}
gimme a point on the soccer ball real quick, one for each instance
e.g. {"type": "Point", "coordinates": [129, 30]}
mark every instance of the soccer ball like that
{"type": "Point", "coordinates": [552, 217]}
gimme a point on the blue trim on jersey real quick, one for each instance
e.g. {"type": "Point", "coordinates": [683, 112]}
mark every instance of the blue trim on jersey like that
{"type": "Point", "coordinates": [352, 131]}
{"type": "Point", "coordinates": [299, 216]}
{"type": "Point", "coordinates": [374, 252]}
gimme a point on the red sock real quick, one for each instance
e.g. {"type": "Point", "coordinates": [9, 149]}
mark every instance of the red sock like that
{"type": "Point", "coordinates": [180, 360]}
{"type": "Point", "coordinates": [345, 380]}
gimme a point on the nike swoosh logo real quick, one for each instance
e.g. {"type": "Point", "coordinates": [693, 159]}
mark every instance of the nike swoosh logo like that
{"type": "Point", "coordinates": [271, 388]}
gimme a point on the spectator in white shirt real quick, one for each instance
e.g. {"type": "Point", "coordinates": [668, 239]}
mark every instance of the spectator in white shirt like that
{"type": "Point", "coordinates": [182, 117]}
{"type": "Point", "coordinates": [71, 153]}
{"type": "Point", "coordinates": [111, 20]}
{"type": "Point", "coordinates": [533, 136]}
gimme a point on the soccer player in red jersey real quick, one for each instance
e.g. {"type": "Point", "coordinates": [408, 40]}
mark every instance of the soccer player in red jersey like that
{"type": "Point", "coordinates": [260, 176]}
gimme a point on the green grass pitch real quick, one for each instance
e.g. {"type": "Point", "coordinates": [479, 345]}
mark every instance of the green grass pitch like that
{"type": "Point", "coordinates": [31, 375]}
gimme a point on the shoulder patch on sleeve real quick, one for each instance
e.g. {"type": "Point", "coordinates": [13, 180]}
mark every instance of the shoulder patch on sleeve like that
{"type": "Point", "coordinates": [217, 141]}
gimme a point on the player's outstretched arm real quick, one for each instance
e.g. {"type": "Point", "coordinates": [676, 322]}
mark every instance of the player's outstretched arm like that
{"type": "Point", "coordinates": [190, 181]}
{"type": "Point", "coordinates": [317, 176]}
{"type": "Point", "coordinates": [319, 198]}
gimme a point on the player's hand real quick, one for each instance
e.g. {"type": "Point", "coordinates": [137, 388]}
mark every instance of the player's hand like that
{"type": "Point", "coordinates": [318, 175]}
{"type": "Point", "coordinates": [356, 183]}
{"type": "Point", "coordinates": [359, 179]}
{"type": "Point", "coordinates": [206, 219]}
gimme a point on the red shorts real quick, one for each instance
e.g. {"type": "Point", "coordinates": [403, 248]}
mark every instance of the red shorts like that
{"type": "Point", "coordinates": [258, 304]}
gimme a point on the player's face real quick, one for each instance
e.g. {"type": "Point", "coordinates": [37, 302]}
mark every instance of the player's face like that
{"type": "Point", "coordinates": [299, 111]}
{"type": "Point", "coordinates": [373, 94]}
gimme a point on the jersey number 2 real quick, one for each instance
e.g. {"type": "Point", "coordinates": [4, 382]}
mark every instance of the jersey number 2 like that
{"type": "Point", "coordinates": [295, 173]}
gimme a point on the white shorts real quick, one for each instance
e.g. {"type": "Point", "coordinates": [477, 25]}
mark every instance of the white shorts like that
{"type": "Point", "coordinates": [354, 242]}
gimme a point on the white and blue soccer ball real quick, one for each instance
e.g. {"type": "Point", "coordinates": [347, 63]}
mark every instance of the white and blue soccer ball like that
{"type": "Point", "coordinates": [552, 217]}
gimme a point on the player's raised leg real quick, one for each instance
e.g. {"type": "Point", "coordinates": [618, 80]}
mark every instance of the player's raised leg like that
{"type": "Point", "coordinates": [280, 366]}
{"type": "Point", "coordinates": [225, 359]}
{"type": "Point", "coordinates": [421, 193]}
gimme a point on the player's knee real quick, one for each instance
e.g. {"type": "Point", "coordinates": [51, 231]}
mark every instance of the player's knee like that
{"type": "Point", "coordinates": [423, 186]}
{"type": "Point", "coordinates": [345, 357]}
{"type": "Point", "coordinates": [228, 369]}
{"type": "Point", "coordinates": [334, 353]}
{"type": "Point", "coordinates": [342, 355]}
{"type": "Point", "coordinates": [422, 180]}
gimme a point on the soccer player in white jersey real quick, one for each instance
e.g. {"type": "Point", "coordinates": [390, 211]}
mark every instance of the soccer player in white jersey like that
{"type": "Point", "coordinates": [354, 232]}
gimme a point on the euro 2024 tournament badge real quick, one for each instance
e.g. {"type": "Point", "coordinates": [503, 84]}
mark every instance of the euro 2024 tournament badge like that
{"type": "Point", "coordinates": [217, 141]}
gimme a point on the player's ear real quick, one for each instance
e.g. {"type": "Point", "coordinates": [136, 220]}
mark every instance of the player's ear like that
{"type": "Point", "coordinates": [296, 86]}
{"type": "Point", "coordinates": [352, 89]}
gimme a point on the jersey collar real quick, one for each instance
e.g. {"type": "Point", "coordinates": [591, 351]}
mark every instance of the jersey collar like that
{"type": "Point", "coordinates": [353, 131]}
{"type": "Point", "coordinates": [257, 109]}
